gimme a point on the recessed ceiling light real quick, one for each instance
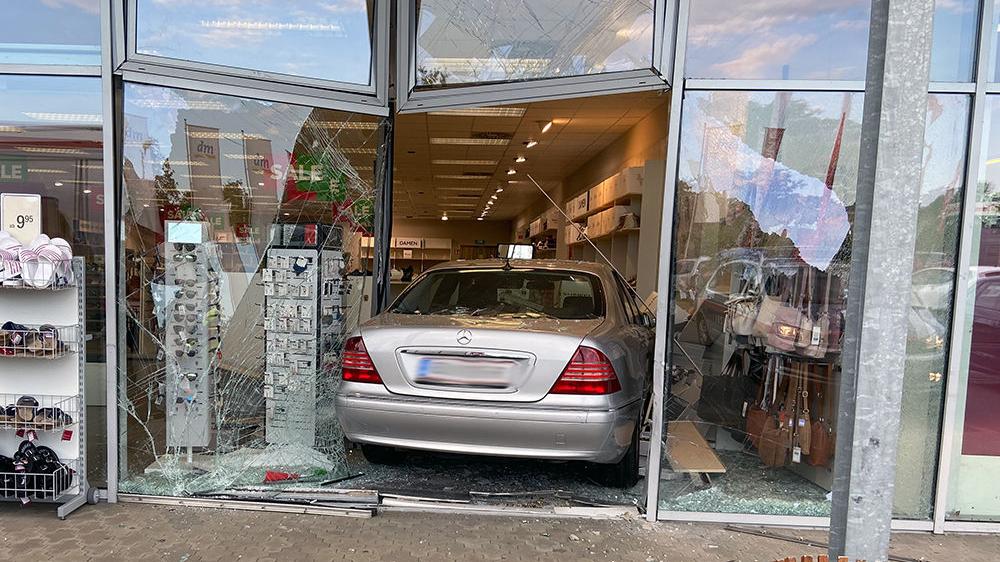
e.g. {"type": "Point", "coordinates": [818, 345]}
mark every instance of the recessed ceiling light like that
{"type": "Point", "coordinates": [58, 184]}
{"type": "Point", "coordinates": [459, 177]}
{"type": "Point", "coordinates": [545, 126]}
{"type": "Point", "coordinates": [87, 191]}
{"type": "Point", "coordinates": [50, 150]}
{"type": "Point", "coordinates": [145, 205]}
{"type": "Point", "coordinates": [357, 150]}
{"type": "Point", "coordinates": [287, 214]}
{"type": "Point", "coordinates": [479, 219]}
{"type": "Point", "coordinates": [530, 143]}
{"type": "Point", "coordinates": [494, 196]}
{"type": "Point", "coordinates": [511, 172]}
{"type": "Point", "coordinates": [499, 190]}
{"type": "Point", "coordinates": [464, 162]}
{"type": "Point", "coordinates": [73, 117]}
{"type": "Point", "coordinates": [520, 158]}
{"type": "Point", "coordinates": [260, 184]}
{"type": "Point", "coordinates": [469, 142]}
{"type": "Point", "coordinates": [483, 112]}
{"type": "Point", "coordinates": [444, 217]}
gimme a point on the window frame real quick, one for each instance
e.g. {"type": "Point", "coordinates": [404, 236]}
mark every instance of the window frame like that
{"type": "Point", "coordinates": [371, 98]}
{"type": "Point", "coordinates": [411, 100]}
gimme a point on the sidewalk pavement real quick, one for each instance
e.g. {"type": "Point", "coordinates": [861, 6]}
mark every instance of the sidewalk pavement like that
{"type": "Point", "coordinates": [185, 534]}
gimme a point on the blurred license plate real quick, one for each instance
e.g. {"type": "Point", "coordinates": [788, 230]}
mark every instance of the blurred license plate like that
{"type": "Point", "coordinates": [452, 371]}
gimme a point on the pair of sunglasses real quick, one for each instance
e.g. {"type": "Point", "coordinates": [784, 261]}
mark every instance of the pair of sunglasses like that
{"type": "Point", "coordinates": [184, 247]}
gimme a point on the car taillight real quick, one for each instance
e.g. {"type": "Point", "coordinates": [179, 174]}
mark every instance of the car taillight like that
{"type": "Point", "coordinates": [358, 366]}
{"type": "Point", "coordinates": [588, 372]}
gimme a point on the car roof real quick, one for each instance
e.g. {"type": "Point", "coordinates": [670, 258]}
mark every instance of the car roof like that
{"type": "Point", "coordinates": [599, 269]}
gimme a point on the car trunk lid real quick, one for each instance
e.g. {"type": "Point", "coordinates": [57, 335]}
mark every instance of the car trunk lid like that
{"type": "Point", "coordinates": [512, 359]}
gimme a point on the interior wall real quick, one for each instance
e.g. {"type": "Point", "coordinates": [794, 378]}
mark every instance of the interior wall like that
{"type": "Point", "coordinates": [461, 232]}
{"type": "Point", "coordinates": [646, 141]}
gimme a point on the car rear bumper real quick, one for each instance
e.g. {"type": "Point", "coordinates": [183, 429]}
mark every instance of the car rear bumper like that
{"type": "Point", "coordinates": [495, 429]}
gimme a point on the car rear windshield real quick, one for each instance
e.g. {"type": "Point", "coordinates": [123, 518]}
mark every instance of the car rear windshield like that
{"type": "Point", "coordinates": [518, 293]}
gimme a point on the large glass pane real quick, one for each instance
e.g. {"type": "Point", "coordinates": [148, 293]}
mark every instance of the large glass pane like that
{"type": "Point", "coordinates": [931, 303]}
{"type": "Point", "coordinates": [762, 39]}
{"type": "Point", "coordinates": [462, 42]}
{"type": "Point", "coordinates": [51, 146]}
{"type": "Point", "coordinates": [765, 204]}
{"type": "Point", "coordinates": [956, 24]}
{"type": "Point", "coordinates": [243, 224]}
{"type": "Point", "coordinates": [330, 40]}
{"type": "Point", "coordinates": [974, 490]}
{"type": "Point", "coordinates": [51, 32]}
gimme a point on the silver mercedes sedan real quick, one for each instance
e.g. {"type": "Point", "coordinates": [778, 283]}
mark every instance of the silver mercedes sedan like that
{"type": "Point", "coordinates": [540, 359]}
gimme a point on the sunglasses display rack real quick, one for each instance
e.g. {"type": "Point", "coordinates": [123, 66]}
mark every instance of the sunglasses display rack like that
{"type": "Point", "coordinates": [190, 340]}
{"type": "Point", "coordinates": [42, 418]}
{"type": "Point", "coordinates": [301, 327]}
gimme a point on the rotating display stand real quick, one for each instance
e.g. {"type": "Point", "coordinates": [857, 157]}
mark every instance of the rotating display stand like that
{"type": "Point", "coordinates": [302, 325]}
{"type": "Point", "coordinates": [42, 402]}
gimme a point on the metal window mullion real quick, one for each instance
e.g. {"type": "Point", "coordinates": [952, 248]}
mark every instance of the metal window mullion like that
{"type": "Point", "coordinates": [664, 283]}
{"type": "Point", "coordinates": [111, 225]}
{"type": "Point", "coordinates": [52, 69]}
{"type": "Point", "coordinates": [252, 93]}
{"type": "Point", "coordinates": [376, 90]}
{"type": "Point", "coordinates": [775, 85]}
{"type": "Point", "coordinates": [959, 334]}
{"type": "Point", "coordinates": [664, 13]}
{"type": "Point", "coordinates": [951, 87]}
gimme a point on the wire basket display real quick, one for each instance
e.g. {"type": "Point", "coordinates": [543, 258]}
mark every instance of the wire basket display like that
{"type": "Point", "coordinates": [38, 412]}
{"type": "Point", "coordinates": [47, 481]}
{"type": "Point", "coordinates": [36, 272]}
{"type": "Point", "coordinates": [44, 341]}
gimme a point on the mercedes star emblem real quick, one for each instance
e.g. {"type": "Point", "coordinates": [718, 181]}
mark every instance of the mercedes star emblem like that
{"type": "Point", "coordinates": [464, 337]}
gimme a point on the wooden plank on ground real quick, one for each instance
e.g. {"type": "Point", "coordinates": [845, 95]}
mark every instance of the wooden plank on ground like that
{"type": "Point", "coordinates": [688, 451]}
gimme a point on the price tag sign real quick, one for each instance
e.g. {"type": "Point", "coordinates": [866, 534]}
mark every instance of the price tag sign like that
{"type": "Point", "coordinates": [21, 216]}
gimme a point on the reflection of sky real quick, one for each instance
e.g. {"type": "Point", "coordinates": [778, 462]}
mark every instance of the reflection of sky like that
{"type": "Point", "coordinates": [817, 39]}
{"type": "Point", "coordinates": [493, 40]}
{"type": "Point", "coordinates": [782, 199]}
{"type": "Point", "coordinates": [50, 32]}
{"type": "Point", "coordinates": [944, 145]}
{"type": "Point", "coordinates": [49, 100]}
{"type": "Point", "coordinates": [326, 39]}
{"type": "Point", "coordinates": [955, 23]}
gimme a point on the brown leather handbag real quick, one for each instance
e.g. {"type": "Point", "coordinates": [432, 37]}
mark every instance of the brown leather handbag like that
{"type": "Point", "coordinates": [757, 413]}
{"type": "Point", "coordinates": [823, 439]}
{"type": "Point", "coordinates": [803, 423]}
{"type": "Point", "coordinates": [776, 439]}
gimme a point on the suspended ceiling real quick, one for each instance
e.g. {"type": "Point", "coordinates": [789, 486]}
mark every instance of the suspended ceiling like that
{"type": "Point", "coordinates": [452, 162]}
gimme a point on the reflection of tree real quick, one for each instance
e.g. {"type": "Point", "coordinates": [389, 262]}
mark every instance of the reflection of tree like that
{"type": "Point", "coordinates": [238, 198]}
{"type": "Point", "coordinates": [431, 77]}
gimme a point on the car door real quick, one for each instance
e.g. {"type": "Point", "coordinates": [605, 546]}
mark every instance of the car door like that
{"type": "Point", "coordinates": [637, 336]}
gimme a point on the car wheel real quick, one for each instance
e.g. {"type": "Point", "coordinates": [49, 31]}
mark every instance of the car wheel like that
{"type": "Point", "coordinates": [377, 454]}
{"type": "Point", "coordinates": [625, 473]}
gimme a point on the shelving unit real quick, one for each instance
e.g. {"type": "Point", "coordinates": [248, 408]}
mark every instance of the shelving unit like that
{"type": "Point", "coordinates": [42, 391]}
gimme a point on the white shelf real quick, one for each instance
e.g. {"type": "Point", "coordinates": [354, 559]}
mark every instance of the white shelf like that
{"type": "Point", "coordinates": [614, 202]}
{"type": "Point", "coordinates": [613, 234]}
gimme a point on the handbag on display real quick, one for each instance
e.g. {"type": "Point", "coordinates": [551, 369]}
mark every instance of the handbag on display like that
{"type": "Point", "coordinates": [767, 310]}
{"type": "Point", "coordinates": [777, 436]}
{"type": "Point", "coordinates": [823, 438]}
{"type": "Point", "coordinates": [741, 313]}
{"type": "Point", "coordinates": [722, 395]}
{"type": "Point", "coordinates": [757, 414]}
{"type": "Point", "coordinates": [805, 334]}
{"type": "Point", "coordinates": [788, 319]}
{"type": "Point", "coordinates": [741, 309]}
{"type": "Point", "coordinates": [819, 342]}
{"type": "Point", "coordinates": [803, 422]}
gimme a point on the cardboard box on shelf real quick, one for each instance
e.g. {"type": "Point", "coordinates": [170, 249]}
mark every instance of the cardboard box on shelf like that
{"type": "Point", "coordinates": [595, 224]}
{"type": "Point", "coordinates": [629, 183]}
{"type": "Point", "coordinates": [578, 206]}
{"type": "Point", "coordinates": [535, 227]}
{"type": "Point", "coordinates": [574, 234]}
{"type": "Point", "coordinates": [614, 218]}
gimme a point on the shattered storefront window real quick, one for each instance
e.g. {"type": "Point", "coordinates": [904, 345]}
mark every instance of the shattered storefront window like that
{"type": "Point", "coordinates": [469, 41]}
{"type": "Point", "coordinates": [241, 273]}
{"type": "Point", "coordinates": [765, 204]}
